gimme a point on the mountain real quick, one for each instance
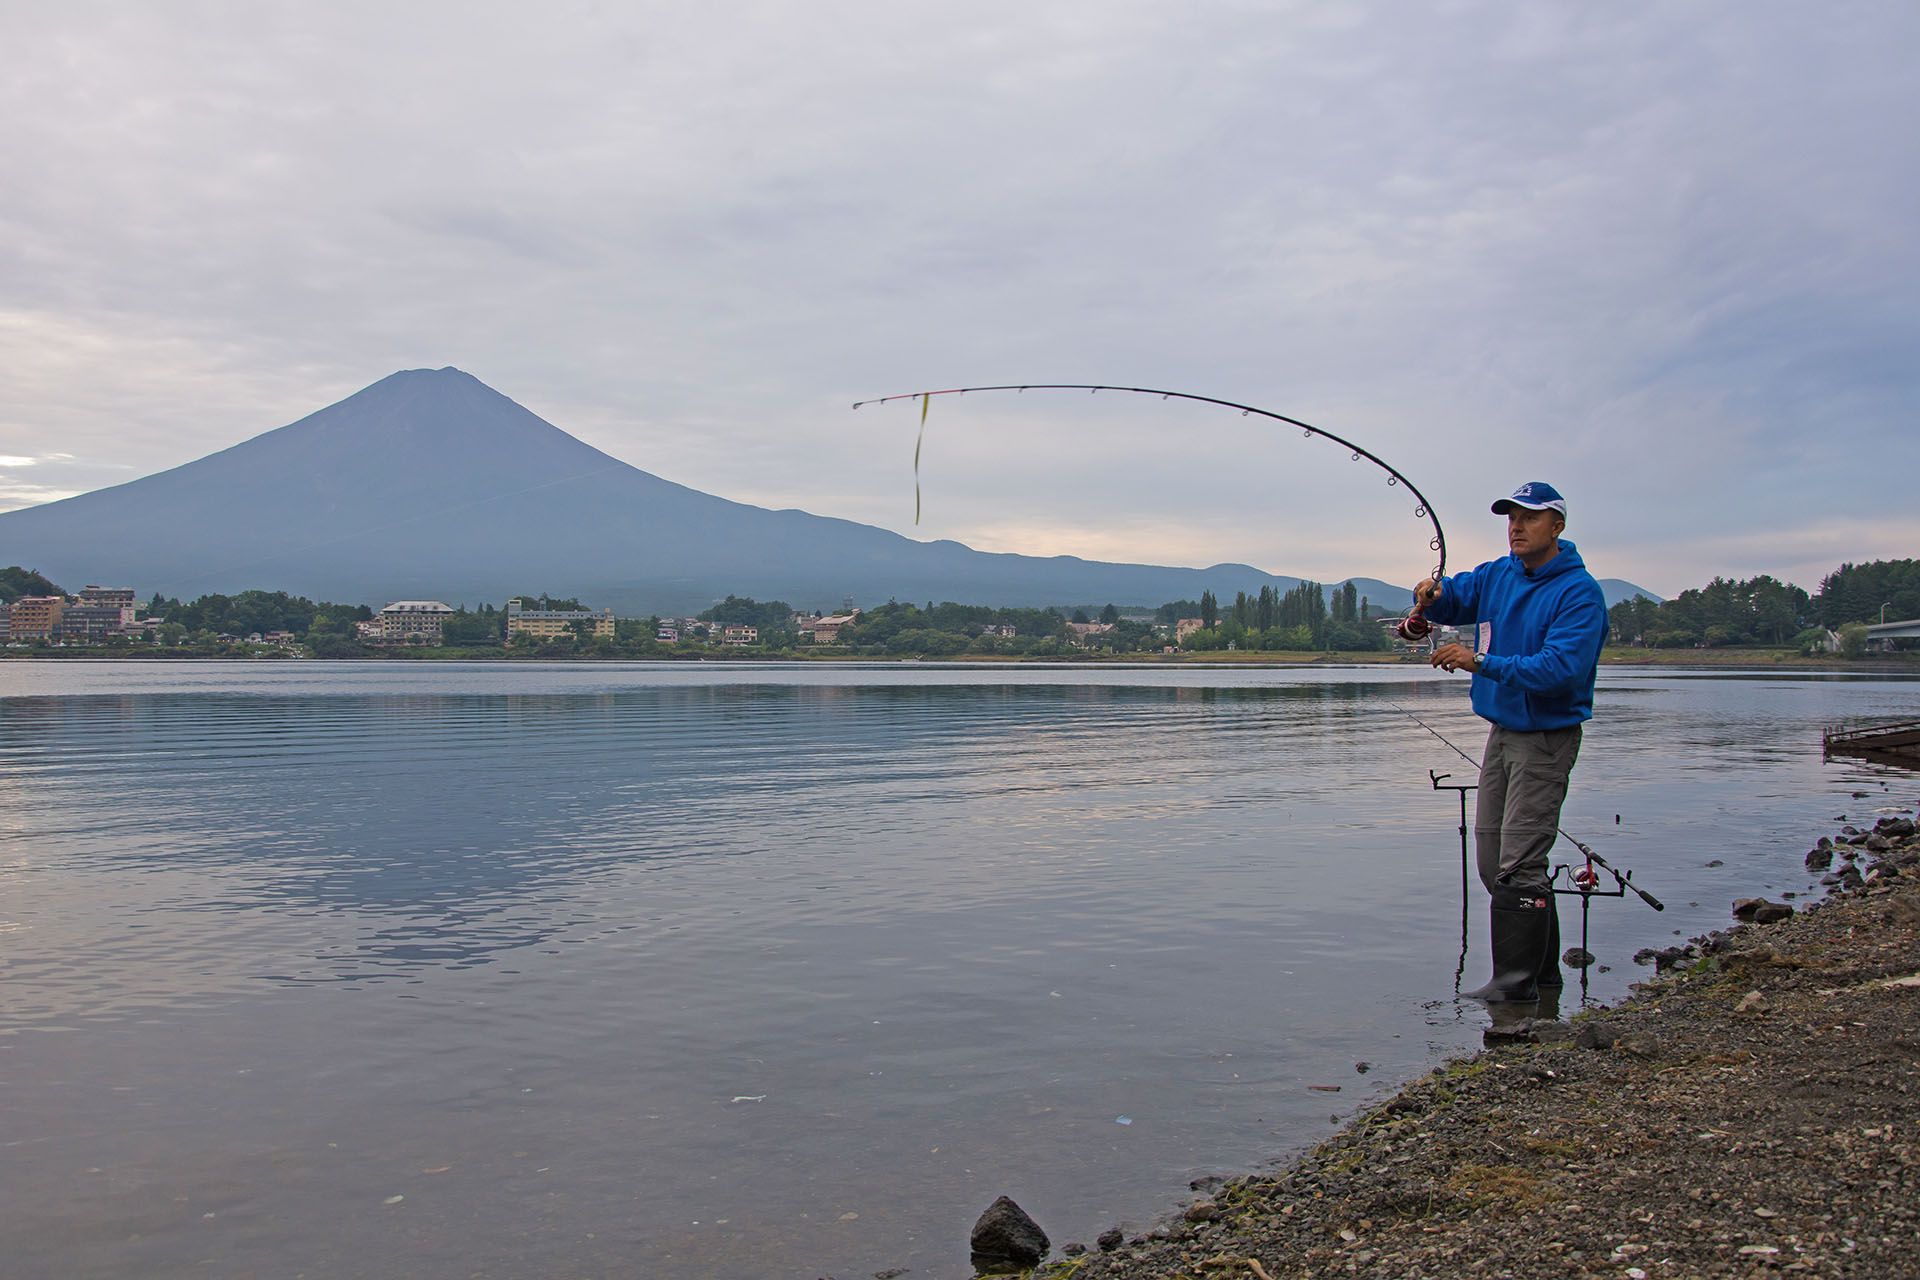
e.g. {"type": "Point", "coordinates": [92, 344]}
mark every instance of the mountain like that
{"type": "Point", "coordinates": [431, 484]}
{"type": "Point", "coordinates": [1616, 590]}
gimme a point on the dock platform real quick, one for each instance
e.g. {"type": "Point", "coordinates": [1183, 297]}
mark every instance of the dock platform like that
{"type": "Point", "coordinates": [1884, 743]}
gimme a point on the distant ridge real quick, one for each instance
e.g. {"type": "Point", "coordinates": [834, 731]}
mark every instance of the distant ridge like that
{"type": "Point", "coordinates": [431, 483]}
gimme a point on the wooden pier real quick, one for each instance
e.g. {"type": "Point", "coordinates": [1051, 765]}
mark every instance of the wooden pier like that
{"type": "Point", "coordinates": [1884, 743]}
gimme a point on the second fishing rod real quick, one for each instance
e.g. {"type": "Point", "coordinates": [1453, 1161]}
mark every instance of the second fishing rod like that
{"type": "Point", "coordinates": [1623, 879]}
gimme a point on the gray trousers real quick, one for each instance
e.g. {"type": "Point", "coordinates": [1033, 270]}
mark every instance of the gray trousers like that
{"type": "Point", "coordinates": [1523, 781]}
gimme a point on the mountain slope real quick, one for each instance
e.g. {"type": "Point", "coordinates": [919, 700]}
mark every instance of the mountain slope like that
{"type": "Point", "coordinates": [430, 483]}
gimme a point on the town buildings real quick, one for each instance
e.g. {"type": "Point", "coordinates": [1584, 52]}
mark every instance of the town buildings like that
{"type": "Point", "coordinates": [95, 615]}
{"type": "Point", "coordinates": [546, 624]}
{"type": "Point", "coordinates": [825, 630]}
{"type": "Point", "coordinates": [409, 622]}
{"type": "Point", "coordinates": [35, 617]}
{"type": "Point", "coordinates": [119, 599]}
{"type": "Point", "coordinates": [89, 623]}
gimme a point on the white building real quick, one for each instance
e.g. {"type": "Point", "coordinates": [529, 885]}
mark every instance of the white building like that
{"type": "Point", "coordinates": [405, 621]}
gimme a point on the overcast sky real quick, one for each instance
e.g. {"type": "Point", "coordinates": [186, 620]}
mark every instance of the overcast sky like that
{"type": "Point", "coordinates": [1663, 256]}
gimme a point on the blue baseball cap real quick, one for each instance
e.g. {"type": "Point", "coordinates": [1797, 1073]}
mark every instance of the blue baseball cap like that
{"type": "Point", "coordinates": [1535, 495]}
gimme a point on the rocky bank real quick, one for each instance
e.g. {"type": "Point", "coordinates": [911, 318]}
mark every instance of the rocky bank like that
{"type": "Point", "coordinates": [1752, 1109]}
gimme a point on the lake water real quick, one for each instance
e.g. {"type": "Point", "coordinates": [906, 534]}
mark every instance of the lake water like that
{"type": "Point", "coordinates": [717, 970]}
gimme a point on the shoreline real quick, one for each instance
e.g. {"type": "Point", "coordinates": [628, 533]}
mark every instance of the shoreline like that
{"type": "Point", "coordinates": [1782, 660]}
{"type": "Point", "coordinates": [1753, 1107]}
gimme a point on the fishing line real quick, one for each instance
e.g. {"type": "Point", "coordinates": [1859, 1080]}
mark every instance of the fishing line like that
{"type": "Point", "coordinates": [1413, 627]}
{"type": "Point", "coordinates": [1423, 510]}
{"type": "Point", "coordinates": [1586, 849]}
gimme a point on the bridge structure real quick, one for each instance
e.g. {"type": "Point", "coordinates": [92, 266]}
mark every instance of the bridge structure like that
{"type": "Point", "coordinates": [1893, 630]}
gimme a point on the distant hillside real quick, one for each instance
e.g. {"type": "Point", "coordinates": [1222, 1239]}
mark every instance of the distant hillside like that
{"type": "Point", "coordinates": [1617, 590]}
{"type": "Point", "coordinates": [431, 484]}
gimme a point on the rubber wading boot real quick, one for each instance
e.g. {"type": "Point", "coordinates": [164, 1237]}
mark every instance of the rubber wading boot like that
{"type": "Point", "coordinates": [1520, 923]}
{"type": "Point", "coordinates": [1549, 978]}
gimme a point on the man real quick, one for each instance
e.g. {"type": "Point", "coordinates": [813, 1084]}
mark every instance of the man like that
{"type": "Point", "coordinates": [1542, 619]}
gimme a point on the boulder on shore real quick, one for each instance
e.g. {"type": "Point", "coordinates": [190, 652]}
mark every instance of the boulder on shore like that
{"type": "Point", "coordinates": [1760, 911]}
{"type": "Point", "coordinates": [1006, 1239]}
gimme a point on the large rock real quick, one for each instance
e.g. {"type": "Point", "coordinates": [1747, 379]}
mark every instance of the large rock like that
{"type": "Point", "coordinates": [1595, 1034]}
{"type": "Point", "coordinates": [1006, 1239]}
{"type": "Point", "coordinates": [1760, 911]}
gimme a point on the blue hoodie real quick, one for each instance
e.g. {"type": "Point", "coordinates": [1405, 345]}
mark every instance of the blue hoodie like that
{"type": "Point", "coordinates": [1546, 625]}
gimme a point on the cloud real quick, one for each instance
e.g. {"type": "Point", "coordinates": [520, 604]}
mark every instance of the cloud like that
{"type": "Point", "coordinates": [1660, 254]}
{"type": "Point", "coordinates": [14, 493]}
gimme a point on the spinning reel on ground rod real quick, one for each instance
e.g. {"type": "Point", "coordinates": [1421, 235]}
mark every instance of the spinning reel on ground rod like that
{"type": "Point", "coordinates": [1565, 879]}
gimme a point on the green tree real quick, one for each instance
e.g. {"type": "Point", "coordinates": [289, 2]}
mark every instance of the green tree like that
{"type": "Point", "coordinates": [1761, 610]}
{"type": "Point", "coordinates": [545, 602]}
{"type": "Point", "coordinates": [773, 618]}
{"type": "Point", "coordinates": [1857, 592]}
{"type": "Point", "coordinates": [471, 630]}
{"type": "Point", "coordinates": [16, 582]}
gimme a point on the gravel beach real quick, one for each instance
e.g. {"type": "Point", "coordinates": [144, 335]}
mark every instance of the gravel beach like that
{"type": "Point", "coordinates": [1751, 1109]}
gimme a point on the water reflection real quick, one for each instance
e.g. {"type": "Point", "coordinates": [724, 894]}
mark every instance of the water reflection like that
{"type": "Point", "coordinates": [671, 970]}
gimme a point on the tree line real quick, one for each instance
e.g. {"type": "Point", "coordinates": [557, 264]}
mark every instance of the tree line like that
{"type": "Point", "coordinates": [1762, 610]}
{"type": "Point", "coordinates": [1306, 618]}
{"type": "Point", "coordinates": [1766, 611]}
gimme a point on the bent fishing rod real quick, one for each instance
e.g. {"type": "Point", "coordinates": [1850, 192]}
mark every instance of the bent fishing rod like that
{"type": "Point", "coordinates": [1395, 477]}
{"type": "Point", "coordinates": [1624, 880]}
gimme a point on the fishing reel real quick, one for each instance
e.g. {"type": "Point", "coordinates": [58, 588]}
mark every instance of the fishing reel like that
{"type": "Point", "coordinates": [1584, 880]}
{"type": "Point", "coordinates": [1413, 628]}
